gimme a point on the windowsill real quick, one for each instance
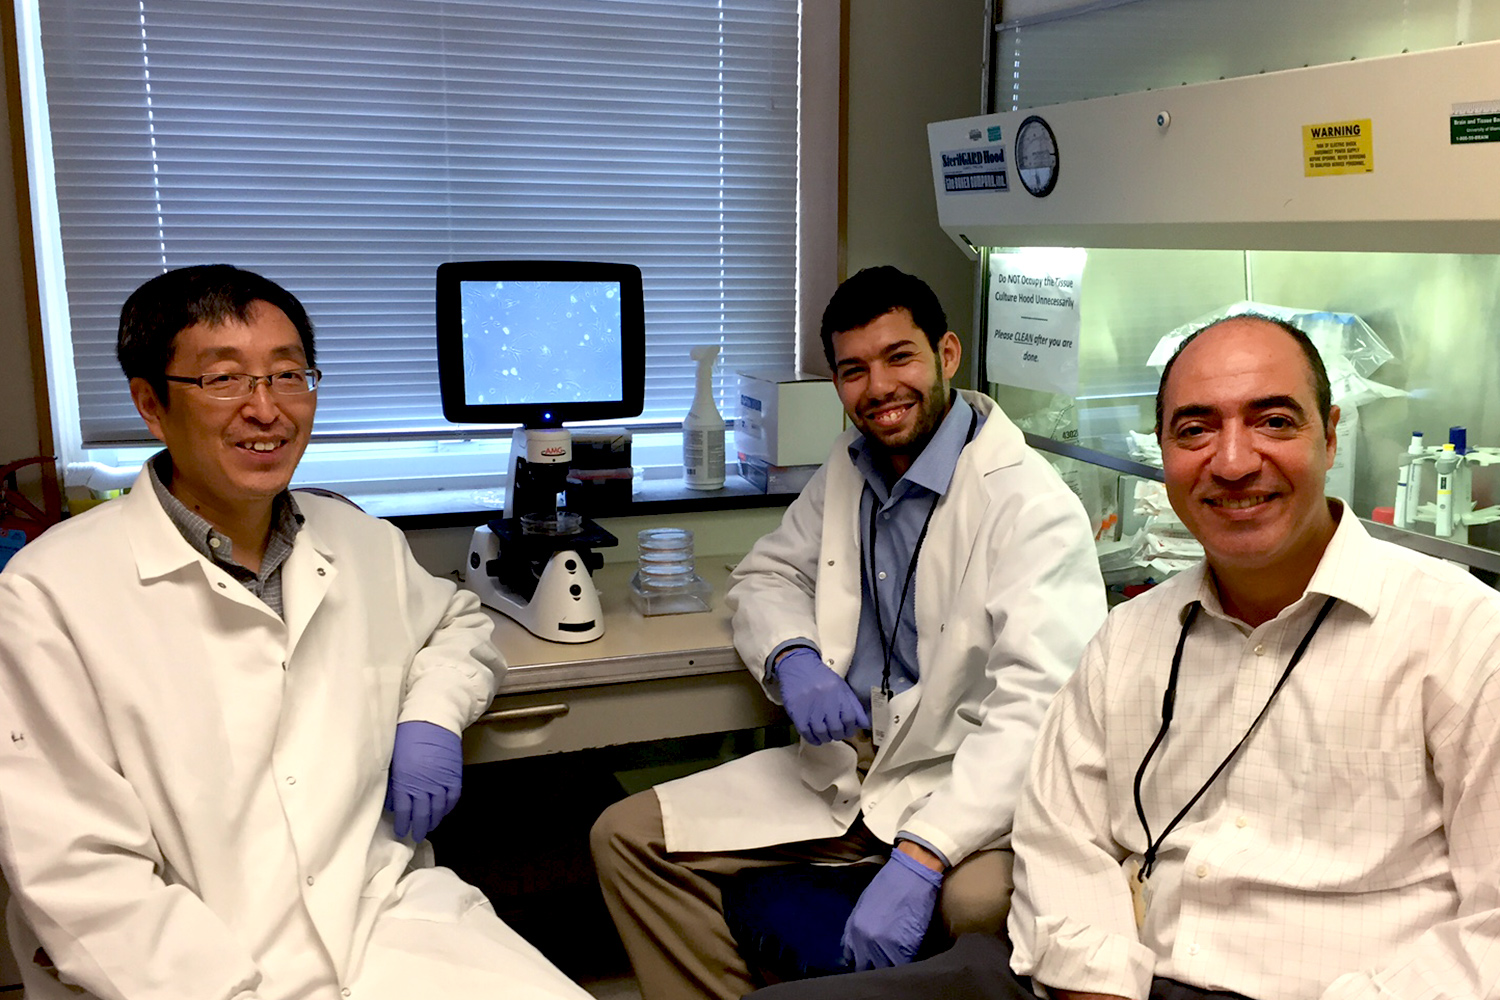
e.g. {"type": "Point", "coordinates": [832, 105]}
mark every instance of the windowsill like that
{"type": "Point", "coordinates": [467, 484]}
{"type": "Point", "coordinates": [467, 508]}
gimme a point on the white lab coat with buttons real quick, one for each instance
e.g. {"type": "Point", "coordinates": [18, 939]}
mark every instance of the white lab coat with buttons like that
{"type": "Point", "coordinates": [192, 789]}
{"type": "Point", "coordinates": [1008, 592]}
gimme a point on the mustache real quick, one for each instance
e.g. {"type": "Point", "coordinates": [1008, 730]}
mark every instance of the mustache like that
{"type": "Point", "coordinates": [911, 396]}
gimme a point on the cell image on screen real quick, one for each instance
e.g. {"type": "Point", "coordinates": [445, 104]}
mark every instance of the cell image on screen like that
{"type": "Point", "coordinates": [541, 342]}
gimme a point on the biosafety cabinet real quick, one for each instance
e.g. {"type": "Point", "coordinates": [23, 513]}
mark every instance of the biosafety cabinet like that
{"type": "Point", "coordinates": [1361, 199]}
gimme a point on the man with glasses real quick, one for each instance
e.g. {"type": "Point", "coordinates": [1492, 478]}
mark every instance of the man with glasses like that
{"type": "Point", "coordinates": [233, 716]}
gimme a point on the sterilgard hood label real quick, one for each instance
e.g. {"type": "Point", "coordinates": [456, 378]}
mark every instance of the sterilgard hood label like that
{"type": "Point", "coordinates": [1338, 148]}
{"type": "Point", "coordinates": [981, 168]}
{"type": "Point", "coordinates": [1474, 123]}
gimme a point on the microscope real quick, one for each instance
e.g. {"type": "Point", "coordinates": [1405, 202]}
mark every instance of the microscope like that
{"type": "Point", "coordinates": [540, 343]}
{"type": "Point", "coordinates": [533, 565]}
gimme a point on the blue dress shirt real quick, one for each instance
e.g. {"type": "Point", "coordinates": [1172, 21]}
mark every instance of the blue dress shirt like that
{"type": "Point", "coordinates": [900, 511]}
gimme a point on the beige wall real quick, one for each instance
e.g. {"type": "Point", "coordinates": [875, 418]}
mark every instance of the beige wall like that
{"type": "Point", "coordinates": [18, 427]}
{"type": "Point", "coordinates": [18, 431]}
{"type": "Point", "coordinates": [910, 63]}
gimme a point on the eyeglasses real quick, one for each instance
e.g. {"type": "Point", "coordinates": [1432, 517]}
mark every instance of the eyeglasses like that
{"type": "Point", "coordinates": [234, 385]}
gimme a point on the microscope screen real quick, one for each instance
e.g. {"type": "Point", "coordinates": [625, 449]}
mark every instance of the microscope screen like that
{"type": "Point", "coordinates": [541, 342]}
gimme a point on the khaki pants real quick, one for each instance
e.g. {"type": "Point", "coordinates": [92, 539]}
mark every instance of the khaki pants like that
{"type": "Point", "coordinates": [670, 913]}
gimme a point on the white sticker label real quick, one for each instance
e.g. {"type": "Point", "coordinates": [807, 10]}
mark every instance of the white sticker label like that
{"type": "Point", "coordinates": [880, 716]}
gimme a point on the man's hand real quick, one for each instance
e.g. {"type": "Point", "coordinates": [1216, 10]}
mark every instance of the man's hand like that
{"type": "Point", "coordinates": [820, 703]}
{"type": "Point", "coordinates": [427, 767]}
{"type": "Point", "coordinates": [891, 917]}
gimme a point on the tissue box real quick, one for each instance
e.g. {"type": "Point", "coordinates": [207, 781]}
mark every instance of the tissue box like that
{"type": "Point", "coordinates": [775, 478]}
{"type": "Point", "coordinates": [786, 418]}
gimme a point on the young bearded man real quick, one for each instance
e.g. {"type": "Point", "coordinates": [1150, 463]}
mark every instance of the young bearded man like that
{"type": "Point", "coordinates": [915, 611]}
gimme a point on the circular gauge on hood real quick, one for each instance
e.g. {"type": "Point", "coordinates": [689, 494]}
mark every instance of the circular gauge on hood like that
{"type": "Point", "coordinates": [1036, 156]}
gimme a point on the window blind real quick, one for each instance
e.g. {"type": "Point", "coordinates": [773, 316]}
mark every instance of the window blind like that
{"type": "Point", "coordinates": [346, 149]}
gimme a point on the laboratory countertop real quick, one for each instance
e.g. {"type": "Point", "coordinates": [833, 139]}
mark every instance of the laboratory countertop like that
{"type": "Point", "coordinates": [634, 647]}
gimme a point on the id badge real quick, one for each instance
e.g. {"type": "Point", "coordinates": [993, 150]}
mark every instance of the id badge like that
{"type": "Point", "coordinates": [880, 716]}
{"type": "Point", "coordinates": [1140, 891]}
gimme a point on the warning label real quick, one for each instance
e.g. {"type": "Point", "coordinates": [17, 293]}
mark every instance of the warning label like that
{"type": "Point", "coordinates": [1338, 148]}
{"type": "Point", "coordinates": [1474, 123]}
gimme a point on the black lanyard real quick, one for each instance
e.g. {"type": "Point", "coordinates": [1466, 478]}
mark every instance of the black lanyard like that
{"type": "Point", "coordinates": [888, 646]}
{"type": "Point", "coordinates": [1168, 702]}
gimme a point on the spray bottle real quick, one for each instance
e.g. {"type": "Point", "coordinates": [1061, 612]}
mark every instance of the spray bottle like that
{"type": "Point", "coordinates": [703, 430]}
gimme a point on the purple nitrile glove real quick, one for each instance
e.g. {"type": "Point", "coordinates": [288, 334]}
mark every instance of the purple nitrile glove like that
{"type": "Point", "coordinates": [427, 768]}
{"type": "Point", "coordinates": [891, 917]}
{"type": "Point", "coordinates": [820, 703]}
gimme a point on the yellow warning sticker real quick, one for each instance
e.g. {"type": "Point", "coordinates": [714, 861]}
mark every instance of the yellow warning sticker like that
{"type": "Point", "coordinates": [1338, 148]}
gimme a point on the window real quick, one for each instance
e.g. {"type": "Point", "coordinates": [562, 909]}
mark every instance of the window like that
{"type": "Point", "coordinates": [346, 149]}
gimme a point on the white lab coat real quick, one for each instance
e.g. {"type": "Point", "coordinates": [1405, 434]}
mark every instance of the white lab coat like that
{"type": "Point", "coordinates": [176, 754]}
{"type": "Point", "coordinates": [1008, 591]}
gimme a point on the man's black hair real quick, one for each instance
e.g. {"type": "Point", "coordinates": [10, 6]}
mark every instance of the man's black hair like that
{"type": "Point", "coordinates": [872, 293]}
{"type": "Point", "coordinates": [169, 303]}
{"type": "Point", "coordinates": [1322, 392]}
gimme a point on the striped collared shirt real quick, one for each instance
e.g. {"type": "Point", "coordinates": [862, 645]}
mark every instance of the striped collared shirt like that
{"type": "Point", "coordinates": [1352, 848]}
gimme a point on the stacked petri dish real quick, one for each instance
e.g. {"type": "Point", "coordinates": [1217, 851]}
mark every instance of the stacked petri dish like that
{"type": "Point", "coordinates": [666, 581]}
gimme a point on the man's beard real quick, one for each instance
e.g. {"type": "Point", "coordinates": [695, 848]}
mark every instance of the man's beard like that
{"type": "Point", "coordinates": [930, 406]}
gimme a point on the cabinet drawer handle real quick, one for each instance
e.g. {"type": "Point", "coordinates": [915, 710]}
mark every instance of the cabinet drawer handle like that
{"type": "Point", "coordinates": [525, 712]}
